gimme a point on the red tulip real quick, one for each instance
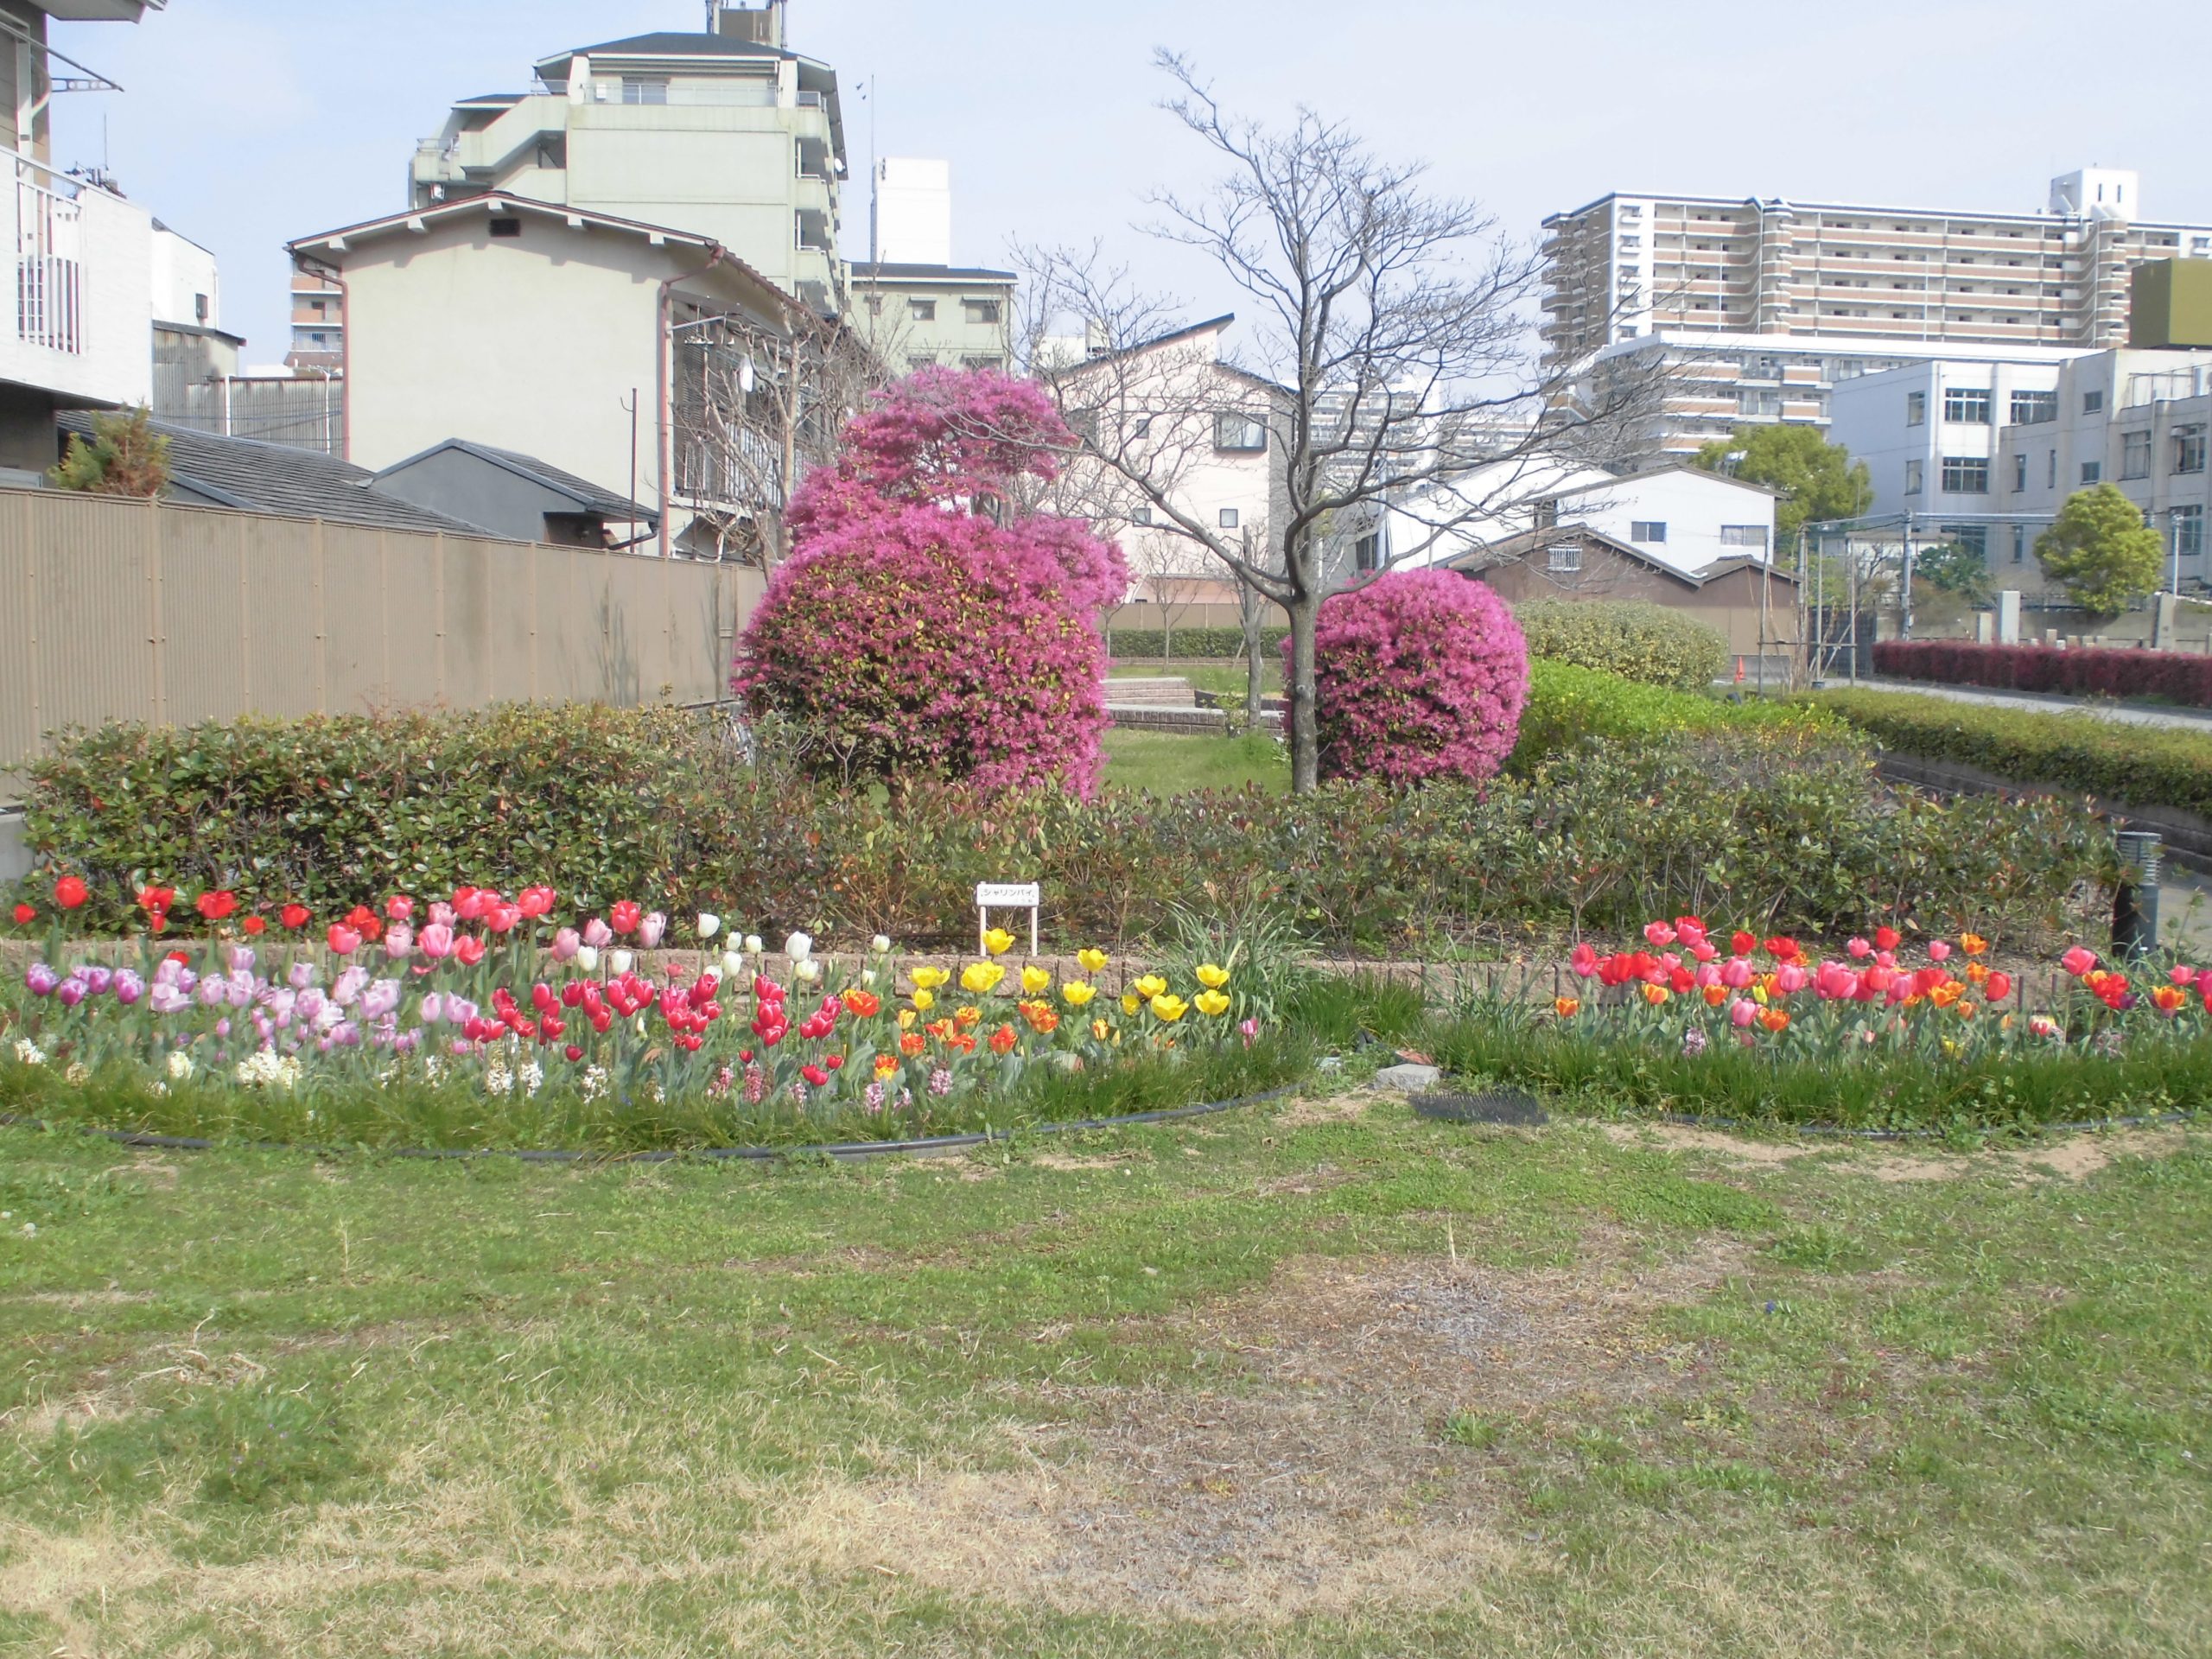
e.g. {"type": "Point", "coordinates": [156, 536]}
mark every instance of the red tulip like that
{"type": "Point", "coordinates": [534, 902]}
{"type": "Point", "coordinates": [71, 892]}
{"type": "Point", "coordinates": [155, 900]}
{"type": "Point", "coordinates": [572, 1053]}
{"type": "Point", "coordinates": [1997, 987]}
{"type": "Point", "coordinates": [624, 915]}
{"type": "Point", "coordinates": [343, 939]}
{"type": "Point", "coordinates": [293, 916]}
{"type": "Point", "coordinates": [502, 919]}
{"type": "Point", "coordinates": [25, 915]}
{"type": "Point", "coordinates": [399, 907]}
{"type": "Point", "coordinates": [215, 906]}
{"type": "Point", "coordinates": [1741, 943]}
{"type": "Point", "coordinates": [254, 925]}
{"type": "Point", "coordinates": [468, 950]}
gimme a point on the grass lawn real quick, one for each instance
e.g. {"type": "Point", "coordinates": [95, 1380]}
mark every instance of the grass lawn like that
{"type": "Point", "coordinates": [1168, 763]}
{"type": "Point", "coordinates": [1213, 674]}
{"type": "Point", "coordinates": [1317, 1379]}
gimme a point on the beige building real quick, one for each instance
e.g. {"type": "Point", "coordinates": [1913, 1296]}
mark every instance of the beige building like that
{"type": "Point", "coordinates": [318, 324]}
{"type": "Point", "coordinates": [573, 337]}
{"type": "Point", "coordinates": [728, 134]}
{"type": "Point", "coordinates": [912, 315]}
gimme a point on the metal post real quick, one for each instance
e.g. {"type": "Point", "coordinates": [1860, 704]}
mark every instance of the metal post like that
{"type": "Point", "coordinates": [2135, 900]}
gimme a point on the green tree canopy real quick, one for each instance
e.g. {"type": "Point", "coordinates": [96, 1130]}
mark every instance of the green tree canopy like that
{"type": "Point", "coordinates": [2099, 551]}
{"type": "Point", "coordinates": [1816, 479]}
{"type": "Point", "coordinates": [1954, 567]}
{"type": "Point", "coordinates": [125, 456]}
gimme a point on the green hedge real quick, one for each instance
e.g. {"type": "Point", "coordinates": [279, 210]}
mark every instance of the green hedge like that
{"type": "Point", "coordinates": [1567, 704]}
{"type": "Point", "coordinates": [1783, 826]}
{"type": "Point", "coordinates": [1635, 640]}
{"type": "Point", "coordinates": [2142, 766]}
{"type": "Point", "coordinates": [1136, 644]}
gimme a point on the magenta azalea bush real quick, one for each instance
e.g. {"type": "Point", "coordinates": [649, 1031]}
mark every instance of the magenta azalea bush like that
{"type": "Point", "coordinates": [1420, 674]}
{"type": "Point", "coordinates": [926, 623]}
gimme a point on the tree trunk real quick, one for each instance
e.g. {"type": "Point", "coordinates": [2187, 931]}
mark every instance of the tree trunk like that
{"type": "Point", "coordinates": [1305, 729]}
{"type": "Point", "coordinates": [1248, 611]}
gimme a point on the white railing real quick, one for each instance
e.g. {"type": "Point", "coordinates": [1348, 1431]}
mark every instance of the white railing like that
{"type": "Point", "coordinates": [49, 268]}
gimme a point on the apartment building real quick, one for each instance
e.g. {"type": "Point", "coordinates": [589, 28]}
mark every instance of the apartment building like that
{"type": "Point", "coordinates": [727, 133]}
{"type": "Point", "coordinates": [1762, 307]}
{"type": "Point", "coordinates": [318, 324]}
{"type": "Point", "coordinates": [912, 304]}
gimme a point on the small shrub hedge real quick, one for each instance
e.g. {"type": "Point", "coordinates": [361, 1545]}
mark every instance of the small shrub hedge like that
{"type": "Point", "coordinates": [2142, 766]}
{"type": "Point", "coordinates": [2097, 671]}
{"type": "Point", "coordinates": [1418, 675]}
{"type": "Point", "coordinates": [1132, 646]}
{"type": "Point", "coordinates": [1783, 826]}
{"type": "Point", "coordinates": [1567, 704]}
{"type": "Point", "coordinates": [1635, 640]}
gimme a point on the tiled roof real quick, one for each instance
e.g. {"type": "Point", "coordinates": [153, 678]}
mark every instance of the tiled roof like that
{"type": "Point", "coordinates": [588, 496]}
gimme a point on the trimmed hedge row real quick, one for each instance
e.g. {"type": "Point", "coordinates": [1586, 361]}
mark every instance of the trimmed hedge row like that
{"type": "Point", "coordinates": [1784, 827]}
{"type": "Point", "coordinates": [1134, 644]}
{"type": "Point", "coordinates": [2145, 767]}
{"type": "Point", "coordinates": [1636, 640]}
{"type": "Point", "coordinates": [2089, 671]}
{"type": "Point", "coordinates": [1567, 704]}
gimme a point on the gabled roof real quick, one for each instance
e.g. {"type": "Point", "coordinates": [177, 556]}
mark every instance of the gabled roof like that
{"type": "Point", "coordinates": [589, 497]}
{"type": "Point", "coordinates": [1706, 473]}
{"type": "Point", "coordinates": [1514, 548]}
{"type": "Point", "coordinates": [275, 478]}
{"type": "Point", "coordinates": [893, 272]}
{"type": "Point", "coordinates": [1211, 326]}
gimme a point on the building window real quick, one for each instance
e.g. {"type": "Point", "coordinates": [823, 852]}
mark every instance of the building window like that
{"type": "Point", "coordinates": [874, 303]}
{"type": "Point", "coordinates": [1916, 408]}
{"type": "Point", "coordinates": [980, 310]}
{"type": "Point", "coordinates": [1367, 551]}
{"type": "Point", "coordinates": [1972, 538]}
{"type": "Point", "coordinates": [921, 360]}
{"type": "Point", "coordinates": [644, 89]}
{"type": "Point", "coordinates": [1758, 403]}
{"type": "Point", "coordinates": [2019, 471]}
{"type": "Point", "coordinates": [2050, 481]}
{"type": "Point", "coordinates": [2092, 403]}
{"type": "Point", "coordinates": [1648, 530]}
{"type": "Point", "coordinates": [506, 227]}
{"type": "Point", "coordinates": [1965, 475]}
{"type": "Point", "coordinates": [922, 310]}
{"type": "Point", "coordinates": [987, 361]}
{"type": "Point", "coordinates": [1912, 478]}
{"type": "Point", "coordinates": [1142, 516]}
{"type": "Point", "coordinates": [1230, 518]}
{"type": "Point", "coordinates": [2189, 532]}
{"type": "Point", "coordinates": [2019, 543]}
{"type": "Point", "coordinates": [1563, 557]}
{"type": "Point", "coordinates": [2188, 447]}
{"type": "Point", "coordinates": [1967, 405]}
{"type": "Point", "coordinates": [2092, 471]}
{"type": "Point", "coordinates": [1744, 535]}
{"type": "Point", "coordinates": [2135, 453]}
{"type": "Point", "coordinates": [1243, 433]}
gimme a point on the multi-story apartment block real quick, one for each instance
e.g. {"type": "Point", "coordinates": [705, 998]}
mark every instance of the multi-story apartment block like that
{"type": "Point", "coordinates": [910, 301]}
{"type": "Point", "coordinates": [728, 134]}
{"type": "Point", "coordinates": [318, 325]}
{"type": "Point", "coordinates": [1759, 308]}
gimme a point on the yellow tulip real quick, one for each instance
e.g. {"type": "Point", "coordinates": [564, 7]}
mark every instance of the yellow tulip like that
{"type": "Point", "coordinates": [998, 941]}
{"type": "Point", "coordinates": [1131, 1003]}
{"type": "Point", "coordinates": [1169, 1008]}
{"type": "Point", "coordinates": [1212, 1004]}
{"type": "Point", "coordinates": [1078, 992]}
{"type": "Point", "coordinates": [1213, 978]}
{"type": "Point", "coordinates": [928, 979]}
{"type": "Point", "coordinates": [1151, 986]}
{"type": "Point", "coordinates": [978, 978]}
{"type": "Point", "coordinates": [926, 1000]}
{"type": "Point", "coordinates": [1093, 961]}
{"type": "Point", "coordinates": [906, 1017]}
{"type": "Point", "coordinates": [1099, 1028]}
{"type": "Point", "coordinates": [1035, 980]}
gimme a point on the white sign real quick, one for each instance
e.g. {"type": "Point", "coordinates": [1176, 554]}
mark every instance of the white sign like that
{"type": "Point", "coordinates": [1005, 895]}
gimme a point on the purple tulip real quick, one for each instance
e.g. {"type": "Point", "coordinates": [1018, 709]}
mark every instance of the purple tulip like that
{"type": "Point", "coordinates": [240, 956]}
{"type": "Point", "coordinates": [223, 1026]}
{"type": "Point", "coordinates": [301, 976]}
{"type": "Point", "coordinates": [70, 992]}
{"type": "Point", "coordinates": [566, 943]}
{"type": "Point", "coordinates": [40, 979]}
{"type": "Point", "coordinates": [597, 934]}
{"type": "Point", "coordinates": [351, 984]}
{"type": "Point", "coordinates": [167, 999]}
{"type": "Point", "coordinates": [346, 1034]}
{"type": "Point", "coordinates": [129, 988]}
{"type": "Point", "coordinates": [97, 977]}
{"type": "Point", "coordinates": [433, 1008]}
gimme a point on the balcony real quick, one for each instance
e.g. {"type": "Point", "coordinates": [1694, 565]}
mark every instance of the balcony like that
{"type": "Point", "coordinates": [84, 269]}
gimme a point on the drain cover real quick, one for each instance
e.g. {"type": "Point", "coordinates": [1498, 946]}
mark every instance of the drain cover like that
{"type": "Point", "coordinates": [1505, 1106]}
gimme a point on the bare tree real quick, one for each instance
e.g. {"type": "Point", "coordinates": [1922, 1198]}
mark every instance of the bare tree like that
{"type": "Point", "coordinates": [1394, 371]}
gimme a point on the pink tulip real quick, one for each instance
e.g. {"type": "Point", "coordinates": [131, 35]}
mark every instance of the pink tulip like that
{"type": "Point", "coordinates": [399, 907]}
{"type": "Point", "coordinates": [650, 930]}
{"type": "Point", "coordinates": [437, 940]}
{"type": "Point", "coordinates": [344, 940]}
{"type": "Point", "coordinates": [469, 904]}
{"type": "Point", "coordinates": [1736, 973]}
{"type": "Point", "coordinates": [1835, 983]}
{"type": "Point", "coordinates": [1659, 933]}
{"type": "Point", "coordinates": [597, 934]}
{"type": "Point", "coordinates": [1583, 960]}
{"type": "Point", "coordinates": [441, 913]}
{"type": "Point", "coordinates": [1790, 977]}
{"type": "Point", "coordinates": [1938, 951]}
{"type": "Point", "coordinates": [2078, 962]}
{"type": "Point", "coordinates": [1861, 949]}
{"type": "Point", "coordinates": [1708, 974]}
{"type": "Point", "coordinates": [566, 943]}
{"type": "Point", "coordinates": [468, 950]}
{"type": "Point", "coordinates": [1741, 1013]}
{"type": "Point", "coordinates": [1705, 949]}
{"type": "Point", "coordinates": [399, 941]}
{"type": "Point", "coordinates": [2182, 975]}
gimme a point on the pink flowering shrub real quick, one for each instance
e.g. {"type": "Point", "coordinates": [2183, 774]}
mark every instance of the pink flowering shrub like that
{"type": "Point", "coordinates": [927, 624]}
{"type": "Point", "coordinates": [1420, 674]}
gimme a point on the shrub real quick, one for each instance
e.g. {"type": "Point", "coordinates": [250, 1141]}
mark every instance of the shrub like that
{"type": "Point", "coordinates": [925, 625]}
{"type": "Point", "coordinates": [1418, 674]}
{"type": "Point", "coordinates": [1134, 646]}
{"type": "Point", "coordinates": [1567, 705]}
{"type": "Point", "coordinates": [1629, 638]}
{"type": "Point", "coordinates": [2141, 766]}
{"type": "Point", "coordinates": [2094, 671]}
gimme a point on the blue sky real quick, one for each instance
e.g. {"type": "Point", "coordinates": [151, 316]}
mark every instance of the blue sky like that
{"type": "Point", "coordinates": [248, 122]}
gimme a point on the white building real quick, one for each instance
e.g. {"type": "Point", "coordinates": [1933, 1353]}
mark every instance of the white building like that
{"type": "Point", "coordinates": [910, 217]}
{"type": "Point", "coordinates": [913, 305]}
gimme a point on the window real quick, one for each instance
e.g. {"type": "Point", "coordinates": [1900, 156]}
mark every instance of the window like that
{"type": "Point", "coordinates": [2188, 532]}
{"type": "Point", "coordinates": [2051, 481]}
{"type": "Point", "coordinates": [1744, 535]}
{"type": "Point", "coordinates": [1240, 432]}
{"type": "Point", "coordinates": [2092, 471]}
{"type": "Point", "coordinates": [1965, 475]}
{"type": "Point", "coordinates": [2019, 543]}
{"type": "Point", "coordinates": [2188, 447]}
{"type": "Point", "coordinates": [980, 310]}
{"type": "Point", "coordinates": [922, 310]}
{"type": "Point", "coordinates": [1758, 401]}
{"type": "Point", "coordinates": [1564, 556]}
{"type": "Point", "coordinates": [1648, 530]}
{"type": "Point", "coordinates": [1972, 538]}
{"type": "Point", "coordinates": [1916, 408]}
{"type": "Point", "coordinates": [1912, 478]}
{"type": "Point", "coordinates": [875, 305]}
{"type": "Point", "coordinates": [1142, 516]}
{"type": "Point", "coordinates": [920, 359]}
{"type": "Point", "coordinates": [2019, 471]}
{"type": "Point", "coordinates": [1229, 518]}
{"type": "Point", "coordinates": [644, 89]}
{"type": "Point", "coordinates": [2135, 453]}
{"type": "Point", "coordinates": [987, 361]}
{"type": "Point", "coordinates": [1367, 551]}
{"type": "Point", "coordinates": [506, 227]}
{"type": "Point", "coordinates": [2092, 402]}
{"type": "Point", "coordinates": [1967, 405]}
{"type": "Point", "coordinates": [1143, 427]}
{"type": "Point", "coordinates": [2033, 408]}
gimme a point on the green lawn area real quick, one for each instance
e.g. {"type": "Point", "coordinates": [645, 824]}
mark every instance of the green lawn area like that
{"type": "Point", "coordinates": [1168, 763]}
{"type": "Point", "coordinates": [1313, 1380]}
{"type": "Point", "coordinates": [1211, 675]}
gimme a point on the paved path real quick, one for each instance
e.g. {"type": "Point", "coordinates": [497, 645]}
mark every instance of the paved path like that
{"type": "Point", "coordinates": [2118, 713]}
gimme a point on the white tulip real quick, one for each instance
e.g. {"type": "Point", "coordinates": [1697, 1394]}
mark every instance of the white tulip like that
{"type": "Point", "coordinates": [809, 970]}
{"type": "Point", "coordinates": [618, 963]}
{"type": "Point", "coordinates": [799, 947]}
{"type": "Point", "coordinates": [753, 945]}
{"type": "Point", "coordinates": [882, 944]}
{"type": "Point", "coordinates": [710, 924]}
{"type": "Point", "coordinates": [868, 975]}
{"type": "Point", "coordinates": [587, 958]}
{"type": "Point", "coordinates": [733, 965]}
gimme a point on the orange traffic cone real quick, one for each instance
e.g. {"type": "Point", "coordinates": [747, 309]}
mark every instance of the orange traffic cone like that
{"type": "Point", "coordinates": [1739, 670]}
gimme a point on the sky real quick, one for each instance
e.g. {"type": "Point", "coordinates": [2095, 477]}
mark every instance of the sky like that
{"type": "Point", "coordinates": [245, 124]}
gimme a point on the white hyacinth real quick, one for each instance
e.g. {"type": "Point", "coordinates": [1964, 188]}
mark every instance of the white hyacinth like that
{"type": "Point", "coordinates": [498, 1080]}
{"type": "Point", "coordinates": [78, 1072]}
{"type": "Point", "coordinates": [532, 1078]}
{"type": "Point", "coordinates": [595, 1083]}
{"type": "Point", "coordinates": [29, 1052]}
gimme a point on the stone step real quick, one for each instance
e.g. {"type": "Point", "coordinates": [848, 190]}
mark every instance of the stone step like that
{"type": "Point", "coordinates": [1154, 717]}
{"type": "Point", "coordinates": [1162, 692]}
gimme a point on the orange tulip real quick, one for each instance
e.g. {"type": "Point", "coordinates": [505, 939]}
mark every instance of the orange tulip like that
{"type": "Point", "coordinates": [1567, 1006]}
{"type": "Point", "coordinates": [1973, 943]}
{"type": "Point", "coordinates": [1715, 995]}
{"type": "Point", "coordinates": [1655, 994]}
{"type": "Point", "coordinates": [1003, 1039]}
{"type": "Point", "coordinates": [1774, 1019]}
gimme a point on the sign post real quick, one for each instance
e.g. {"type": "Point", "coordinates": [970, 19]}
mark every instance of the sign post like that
{"type": "Point", "coordinates": [1005, 895]}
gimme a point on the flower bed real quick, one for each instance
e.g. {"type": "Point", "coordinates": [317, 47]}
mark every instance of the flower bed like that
{"type": "Point", "coordinates": [493, 1015]}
